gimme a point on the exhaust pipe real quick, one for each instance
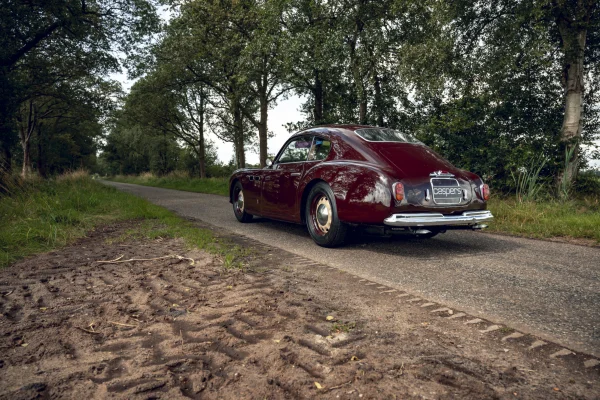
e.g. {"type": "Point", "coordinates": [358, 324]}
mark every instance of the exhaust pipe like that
{"type": "Point", "coordinates": [421, 232]}
{"type": "Point", "coordinates": [479, 227]}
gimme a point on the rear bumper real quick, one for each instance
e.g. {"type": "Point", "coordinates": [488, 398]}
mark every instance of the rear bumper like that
{"type": "Point", "coordinates": [437, 219]}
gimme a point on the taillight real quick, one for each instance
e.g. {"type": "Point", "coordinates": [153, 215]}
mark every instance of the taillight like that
{"type": "Point", "coordinates": [398, 191]}
{"type": "Point", "coordinates": [485, 191]}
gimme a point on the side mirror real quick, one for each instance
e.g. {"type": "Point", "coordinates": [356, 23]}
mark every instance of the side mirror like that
{"type": "Point", "coordinates": [269, 162]}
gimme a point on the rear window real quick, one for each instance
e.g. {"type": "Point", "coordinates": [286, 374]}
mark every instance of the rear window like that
{"type": "Point", "coordinates": [385, 135]}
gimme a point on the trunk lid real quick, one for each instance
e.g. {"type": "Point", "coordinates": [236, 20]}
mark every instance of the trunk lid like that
{"type": "Point", "coordinates": [414, 161]}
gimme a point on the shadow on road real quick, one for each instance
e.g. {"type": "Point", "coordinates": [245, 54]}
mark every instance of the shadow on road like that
{"type": "Point", "coordinates": [448, 245]}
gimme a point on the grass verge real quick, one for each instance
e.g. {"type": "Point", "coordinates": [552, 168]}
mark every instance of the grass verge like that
{"type": "Point", "coordinates": [179, 182]}
{"type": "Point", "coordinates": [40, 215]}
{"type": "Point", "coordinates": [579, 219]}
{"type": "Point", "coordinates": [542, 219]}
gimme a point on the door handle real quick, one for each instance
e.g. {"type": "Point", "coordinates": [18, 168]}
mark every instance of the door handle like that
{"type": "Point", "coordinates": [295, 174]}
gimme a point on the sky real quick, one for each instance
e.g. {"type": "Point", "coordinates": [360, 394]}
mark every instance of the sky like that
{"type": "Point", "coordinates": [284, 112]}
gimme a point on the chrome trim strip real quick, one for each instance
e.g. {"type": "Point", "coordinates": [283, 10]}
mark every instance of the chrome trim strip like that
{"type": "Point", "coordinates": [438, 219]}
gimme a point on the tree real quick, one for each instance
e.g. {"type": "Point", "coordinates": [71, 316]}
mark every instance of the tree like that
{"type": "Point", "coordinates": [47, 45]}
{"type": "Point", "coordinates": [205, 41]}
{"type": "Point", "coordinates": [549, 47]}
{"type": "Point", "coordinates": [312, 54]}
{"type": "Point", "coordinates": [573, 20]}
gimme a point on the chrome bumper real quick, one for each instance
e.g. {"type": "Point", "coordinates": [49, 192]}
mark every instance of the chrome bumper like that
{"type": "Point", "coordinates": [438, 219]}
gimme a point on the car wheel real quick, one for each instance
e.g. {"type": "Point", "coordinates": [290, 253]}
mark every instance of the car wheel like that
{"type": "Point", "coordinates": [322, 220]}
{"type": "Point", "coordinates": [239, 208]}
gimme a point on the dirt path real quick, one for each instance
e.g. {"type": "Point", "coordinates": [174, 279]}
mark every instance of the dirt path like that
{"type": "Point", "coordinates": [75, 328]}
{"type": "Point", "coordinates": [551, 290]}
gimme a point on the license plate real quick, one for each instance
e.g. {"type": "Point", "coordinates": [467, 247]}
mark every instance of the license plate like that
{"type": "Point", "coordinates": [447, 195]}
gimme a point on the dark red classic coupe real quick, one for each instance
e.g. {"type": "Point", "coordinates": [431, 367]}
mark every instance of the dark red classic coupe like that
{"type": "Point", "coordinates": [339, 176]}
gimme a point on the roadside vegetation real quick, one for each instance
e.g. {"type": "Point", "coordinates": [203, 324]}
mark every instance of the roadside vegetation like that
{"type": "Point", "coordinates": [41, 215]}
{"type": "Point", "coordinates": [178, 181]}
{"type": "Point", "coordinates": [577, 218]}
{"type": "Point", "coordinates": [529, 211]}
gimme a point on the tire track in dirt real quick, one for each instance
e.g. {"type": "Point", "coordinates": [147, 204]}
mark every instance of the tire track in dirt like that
{"type": "Point", "coordinates": [167, 329]}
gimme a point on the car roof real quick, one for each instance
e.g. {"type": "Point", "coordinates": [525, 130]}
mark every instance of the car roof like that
{"type": "Point", "coordinates": [350, 127]}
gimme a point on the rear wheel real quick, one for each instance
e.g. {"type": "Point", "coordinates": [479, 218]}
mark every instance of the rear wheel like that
{"type": "Point", "coordinates": [322, 220]}
{"type": "Point", "coordinates": [239, 208]}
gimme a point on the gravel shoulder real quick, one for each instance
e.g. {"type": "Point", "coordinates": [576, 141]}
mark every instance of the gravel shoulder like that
{"type": "Point", "coordinates": [283, 327]}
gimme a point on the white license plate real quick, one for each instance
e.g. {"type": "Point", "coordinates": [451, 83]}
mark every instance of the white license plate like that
{"type": "Point", "coordinates": [447, 192]}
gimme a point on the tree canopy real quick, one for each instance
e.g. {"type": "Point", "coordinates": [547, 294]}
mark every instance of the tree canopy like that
{"type": "Point", "coordinates": [490, 85]}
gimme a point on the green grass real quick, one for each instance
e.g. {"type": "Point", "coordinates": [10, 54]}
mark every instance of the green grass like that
{"type": "Point", "coordinates": [537, 219]}
{"type": "Point", "coordinates": [39, 216]}
{"type": "Point", "coordinates": [180, 182]}
{"type": "Point", "coordinates": [547, 219]}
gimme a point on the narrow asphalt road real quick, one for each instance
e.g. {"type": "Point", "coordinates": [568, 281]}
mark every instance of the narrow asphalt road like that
{"type": "Point", "coordinates": [544, 288]}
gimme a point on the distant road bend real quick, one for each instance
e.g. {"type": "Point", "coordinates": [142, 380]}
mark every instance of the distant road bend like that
{"type": "Point", "coordinates": [545, 288]}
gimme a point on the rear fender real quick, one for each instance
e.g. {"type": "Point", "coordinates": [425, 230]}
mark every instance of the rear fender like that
{"type": "Point", "coordinates": [362, 190]}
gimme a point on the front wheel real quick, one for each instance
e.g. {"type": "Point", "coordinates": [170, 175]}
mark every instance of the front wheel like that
{"type": "Point", "coordinates": [239, 208]}
{"type": "Point", "coordinates": [322, 220]}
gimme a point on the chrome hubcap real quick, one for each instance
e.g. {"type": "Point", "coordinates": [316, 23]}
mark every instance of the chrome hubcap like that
{"type": "Point", "coordinates": [323, 214]}
{"type": "Point", "coordinates": [240, 201]}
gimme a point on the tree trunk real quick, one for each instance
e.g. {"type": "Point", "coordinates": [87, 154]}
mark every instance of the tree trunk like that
{"type": "Point", "coordinates": [318, 92]}
{"type": "Point", "coordinates": [263, 129]}
{"type": "Point", "coordinates": [362, 113]}
{"type": "Point", "coordinates": [239, 136]}
{"type": "Point", "coordinates": [378, 98]}
{"type": "Point", "coordinates": [201, 144]}
{"type": "Point", "coordinates": [40, 162]}
{"type": "Point", "coordinates": [359, 87]}
{"type": "Point", "coordinates": [5, 157]}
{"type": "Point", "coordinates": [26, 129]}
{"type": "Point", "coordinates": [573, 39]}
{"type": "Point", "coordinates": [26, 169]}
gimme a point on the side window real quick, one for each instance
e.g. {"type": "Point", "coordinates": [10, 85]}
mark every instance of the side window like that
{"type": "Point", "coordinates": [296, 151]}
{"type": "Point", "coordinates": [320, 149]}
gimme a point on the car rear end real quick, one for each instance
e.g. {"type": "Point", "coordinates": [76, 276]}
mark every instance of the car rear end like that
{"type": "Point", "coordinates": [429, 193]}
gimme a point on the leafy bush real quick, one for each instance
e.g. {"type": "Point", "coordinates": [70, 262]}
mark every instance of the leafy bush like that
{"type": "Point", "coordinates": [588, 183]}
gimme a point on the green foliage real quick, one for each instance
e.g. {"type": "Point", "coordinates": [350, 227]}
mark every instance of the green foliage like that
{"type": "Point", "coordinates": [40, 215]}
{"type": "Point", "coordinates": [527, 180]}
{"type": "Point", "coordinates": [179, 181]}
{"type": "Point", "coordinates": [54, 55]}
{"type": "Point", "coordinates": [546, 219]}
{"type": "Point", "coordinates": [588, 183]}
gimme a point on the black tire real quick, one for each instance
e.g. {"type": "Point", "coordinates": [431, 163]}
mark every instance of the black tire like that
{"type": "Point", "coordinates": [239, 208]}
{"type": "Point", "coordinates": [326, 231]}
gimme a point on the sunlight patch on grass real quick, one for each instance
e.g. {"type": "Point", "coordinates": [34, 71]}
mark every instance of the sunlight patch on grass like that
{"type": "Point", "coordinates": [546, 219]}
{"type": "Point", "coordinates": [179, 181]}
{"type": "Point", "coordinates": [38, 216]}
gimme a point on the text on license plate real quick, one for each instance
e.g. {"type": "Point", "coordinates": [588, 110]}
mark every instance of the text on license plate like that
{"type": "Point", "coordinates": [447, 191]}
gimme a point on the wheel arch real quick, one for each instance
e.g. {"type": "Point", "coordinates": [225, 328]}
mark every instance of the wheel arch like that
{"type": "Point", "coordinates": [231, 186]}
{"type": "Point", "coordinates": [305, 193]}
